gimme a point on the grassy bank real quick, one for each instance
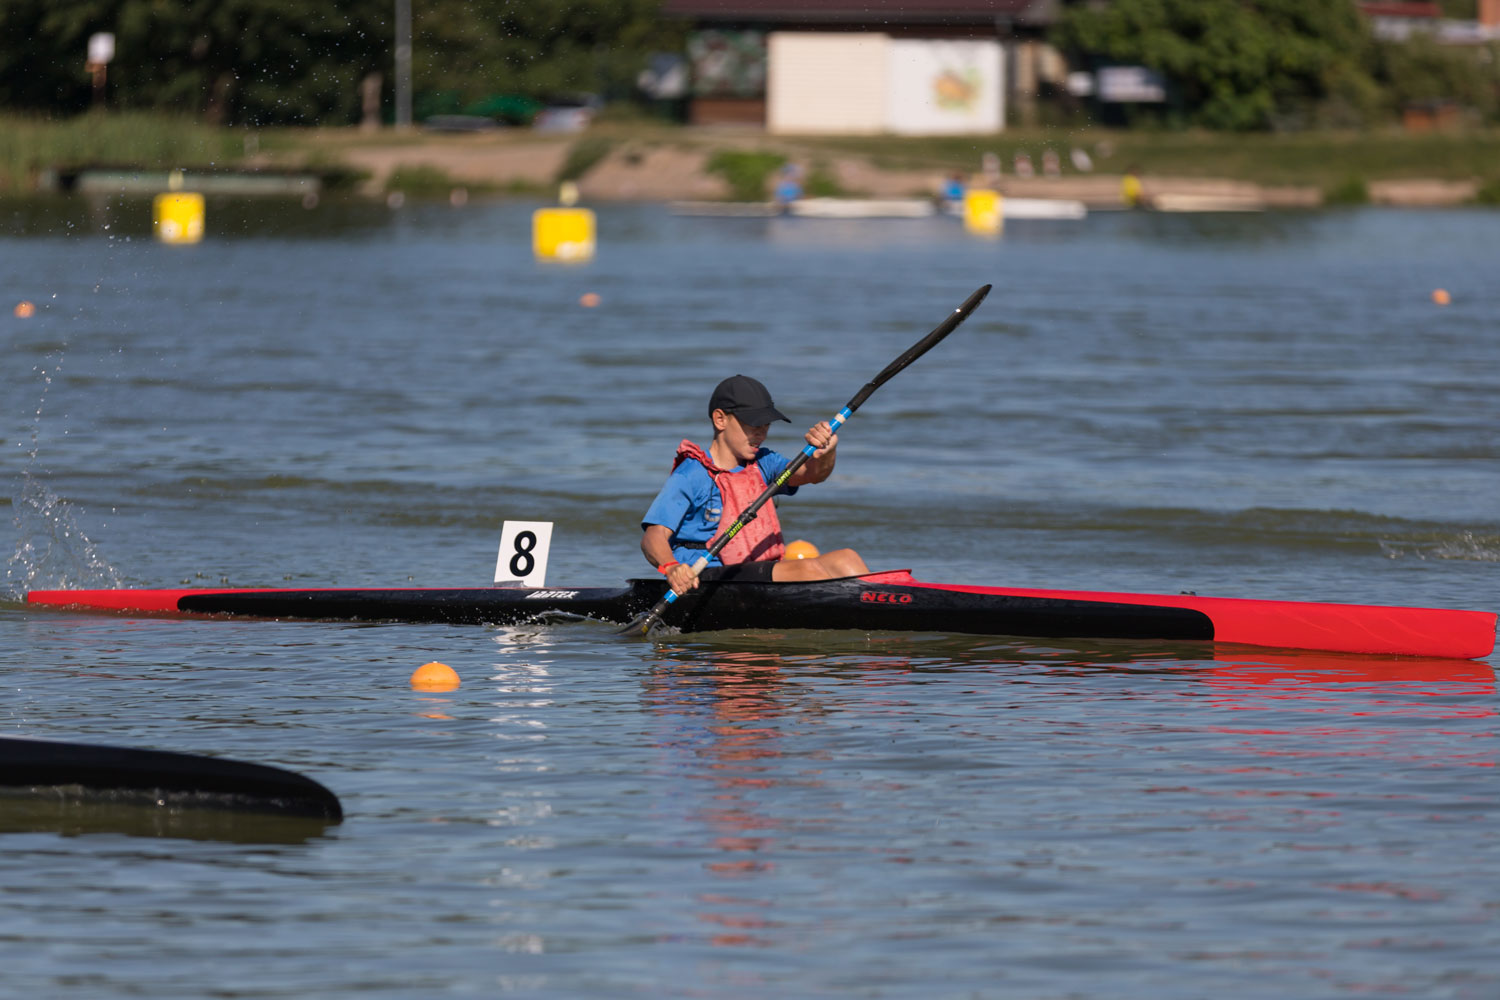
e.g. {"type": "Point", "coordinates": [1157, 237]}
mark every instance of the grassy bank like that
{"type": "Point", "coordinates": [1326, 161]}
{"type": "Point", "coordinates": [1315, 159]}
{"type": "Point", "coordinates": [29, 146]}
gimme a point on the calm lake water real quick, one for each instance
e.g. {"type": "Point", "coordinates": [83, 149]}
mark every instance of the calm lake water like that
{"type": "Point", "coordinates": [1257, 406]}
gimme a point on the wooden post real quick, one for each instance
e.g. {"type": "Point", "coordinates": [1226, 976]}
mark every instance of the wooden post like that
{"type": "Point", "coordinates": [369, 93]}
{"type": "Point", "coordinates": [97, 71]}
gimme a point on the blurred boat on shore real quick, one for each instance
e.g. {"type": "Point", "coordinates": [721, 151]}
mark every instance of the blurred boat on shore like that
{"type": "Point", "coordinates": [876, 208]}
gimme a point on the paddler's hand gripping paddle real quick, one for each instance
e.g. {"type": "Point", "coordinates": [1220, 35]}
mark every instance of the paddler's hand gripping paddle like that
{"type": "Point", "coordinates": [645, 623]}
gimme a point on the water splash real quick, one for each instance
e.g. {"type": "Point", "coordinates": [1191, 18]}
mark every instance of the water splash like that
{"type": "Point", "coordinates": [1466, 547]}
{"type": "Point", "coordinates": [1470, 547]}
{"type": "Point", "coordinates": [52, 552]}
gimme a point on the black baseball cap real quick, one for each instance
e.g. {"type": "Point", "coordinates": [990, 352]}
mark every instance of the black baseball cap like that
{"type": "Point", "coordinates": [747, 399]}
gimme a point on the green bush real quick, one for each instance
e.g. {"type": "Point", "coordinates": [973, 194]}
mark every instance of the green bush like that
{"type": "Point", "coordinates": [1352, 190]}
{"type": "Point", "coordinates": [1229, 65]}
{"type": "Point", "coordinates": [1488, 193]}
{"type": "Point", "coordinates": [1421, 70]}
{"type": "Point", "coordinates": [748, 173]}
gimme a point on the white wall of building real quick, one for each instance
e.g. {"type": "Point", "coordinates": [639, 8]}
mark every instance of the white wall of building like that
{"type": "Point", "coordinates": [826, 83]}
{"type": "Point", "coordinates": [868, 83]}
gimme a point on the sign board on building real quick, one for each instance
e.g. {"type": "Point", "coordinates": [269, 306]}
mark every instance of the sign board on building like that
{"type": "Point", "coordinates": [1133, 84]}
{"type": "Point", "coordinates": [728, 63]}
{"type": "Point", "coordinates": [944, 86]}
{"type": "Point", "coordinates": [101, 47]}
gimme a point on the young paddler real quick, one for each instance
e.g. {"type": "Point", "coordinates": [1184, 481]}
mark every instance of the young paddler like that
{"type": "Point", "coordinates": [709, 488]}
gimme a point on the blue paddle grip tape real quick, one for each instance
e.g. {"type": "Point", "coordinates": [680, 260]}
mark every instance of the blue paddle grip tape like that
{"type": "Point", "coordinates": [833, 425]}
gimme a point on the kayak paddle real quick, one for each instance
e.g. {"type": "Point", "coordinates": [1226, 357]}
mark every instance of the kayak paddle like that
{"type": "Point", "coordinates": [643, 624]}
{"type": "Point", "coordinates": [163, 777]}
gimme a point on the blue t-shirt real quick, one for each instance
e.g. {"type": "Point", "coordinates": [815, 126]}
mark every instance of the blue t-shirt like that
{"type": "Point", "coordinates": [690, 504]}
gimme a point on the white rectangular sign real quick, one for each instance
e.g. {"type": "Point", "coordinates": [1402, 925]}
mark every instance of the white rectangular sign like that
{"type": "Point", "coordinates": [1132, 84]}
{"type": "Point", "coordinates": [522, 561]}
{"type": "Point", "coordinates": [101, 47]}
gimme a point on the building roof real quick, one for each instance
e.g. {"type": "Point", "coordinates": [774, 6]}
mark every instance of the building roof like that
{"type": "Point", "coordinates": [893, 12]}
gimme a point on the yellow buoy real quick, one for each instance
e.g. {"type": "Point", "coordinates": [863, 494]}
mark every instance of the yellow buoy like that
{"type": "Point", "coordinates": [177, 217]}
{"type": "Point", "coordinates": [800, 550]}
{"type": "Point", "coordinates": [25, 309]}
{"type": "Point", "coordinates": [434, 677]}
{"type": "Point", "coordinates": [1441, 296]}
{"type": "Point", "coordinates": [982, 212]}
{"type": "Point", "coordinates": [563, 233]}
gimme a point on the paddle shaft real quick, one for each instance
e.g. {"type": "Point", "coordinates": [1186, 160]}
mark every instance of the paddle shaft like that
{"type": "Point", "coordinates": [921, 347]}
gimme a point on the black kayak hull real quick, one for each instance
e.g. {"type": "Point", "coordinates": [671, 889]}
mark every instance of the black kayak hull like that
{"type": "Point", "coordinates": [889, 601]}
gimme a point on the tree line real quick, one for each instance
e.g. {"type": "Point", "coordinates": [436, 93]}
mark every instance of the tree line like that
{"type": "Point", "coordinates": [269, 62]}
{"type": "Point", "coordinates": [1238, 65]}
{"type": "Point", "coordinates": [1229, 64]}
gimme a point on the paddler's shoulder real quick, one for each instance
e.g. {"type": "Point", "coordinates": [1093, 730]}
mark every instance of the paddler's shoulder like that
{"type": "Point", "coordinates": [766, 457]}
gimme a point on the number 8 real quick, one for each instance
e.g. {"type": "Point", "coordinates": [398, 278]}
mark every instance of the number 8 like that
{"type": "Point", "coordinates": [522, 563]}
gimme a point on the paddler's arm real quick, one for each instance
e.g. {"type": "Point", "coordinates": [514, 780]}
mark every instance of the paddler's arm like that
{"type": "Point", "coordinates": [819, 466]}
{"type": "Point", "coordinates": [656, 546]}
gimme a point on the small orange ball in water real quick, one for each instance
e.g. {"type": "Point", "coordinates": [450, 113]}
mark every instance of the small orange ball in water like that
{"type": "Point", "coordinates": [25, 309]}
{"type": "Point", "coordinates": [434, 677]}
{"type": "Point", "coordinates": [589, 300]}
{"type": "Point", "coordinates": [1441, 296]}
{"type": "Point", "coordinates": [800, 550]}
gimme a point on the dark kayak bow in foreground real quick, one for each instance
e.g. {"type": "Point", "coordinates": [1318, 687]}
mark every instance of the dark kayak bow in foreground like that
{"type": "Point", "coordinates": [890, 601]}
{"type": "Point", "coordinates": [158, 777]}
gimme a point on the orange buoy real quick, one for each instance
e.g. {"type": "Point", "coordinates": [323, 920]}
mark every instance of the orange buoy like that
{"type": "Point", "coordinates": [589, 300]}
{"type": "Point", "coordinates": [25, 310]}
{"type": "Point", "coordinates": [434, 677]}
{"type": "Point", "coordinates": [1441, 296]}
{"type": "Point", "coordinates": [800, 550]}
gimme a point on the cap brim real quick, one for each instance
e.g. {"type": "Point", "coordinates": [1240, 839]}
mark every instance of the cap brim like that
{"type": "Point", "coordinates": [755, 417]}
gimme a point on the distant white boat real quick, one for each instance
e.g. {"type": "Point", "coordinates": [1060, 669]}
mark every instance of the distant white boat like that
{"type": "Point", "coordinates": [877, 208]}
{"type": "Point", "coordinates": [811, 208]}
{"type": "Point", "coordinates": [862, 208]}
{"type": "Point", "coordinates": [1206, 203]}
{"type": "Point", "coordinates": [1032, 208]}
{"type": "Point", "coordinates": [1042, 208]}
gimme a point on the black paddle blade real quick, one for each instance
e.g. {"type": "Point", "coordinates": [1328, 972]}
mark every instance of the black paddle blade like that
{"type": "Point", "coordinates": [161, 777]}
{"type": "Point", "coordinates": [639, 626]}
{"type": "Point", "coordinates": [950, 323]}
{"type": "Point", "coordinates": [648, 625]}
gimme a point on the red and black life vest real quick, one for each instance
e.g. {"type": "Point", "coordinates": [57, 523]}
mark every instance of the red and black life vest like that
{"type": "Point", "coordinates": [758, 541]}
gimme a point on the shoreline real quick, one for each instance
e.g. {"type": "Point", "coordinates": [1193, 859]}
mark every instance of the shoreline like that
{"type": "Point", "coordinates": [662, 165]}
{"type": "Point", "coordinates": [615, 161]}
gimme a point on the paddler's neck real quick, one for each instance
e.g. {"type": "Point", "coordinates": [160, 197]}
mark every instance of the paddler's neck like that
{"type": "Point", "coordinates": [720, 452]}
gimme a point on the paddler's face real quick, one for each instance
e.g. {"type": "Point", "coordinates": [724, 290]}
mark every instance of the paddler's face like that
{"type": "Point", "coordinates": [743, 440]}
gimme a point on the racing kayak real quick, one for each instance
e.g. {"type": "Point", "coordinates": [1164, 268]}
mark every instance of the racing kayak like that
{"type": "Point", "coordinates": [60, 771]}
{"type": "Point", "coordinates": [887, 601]}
